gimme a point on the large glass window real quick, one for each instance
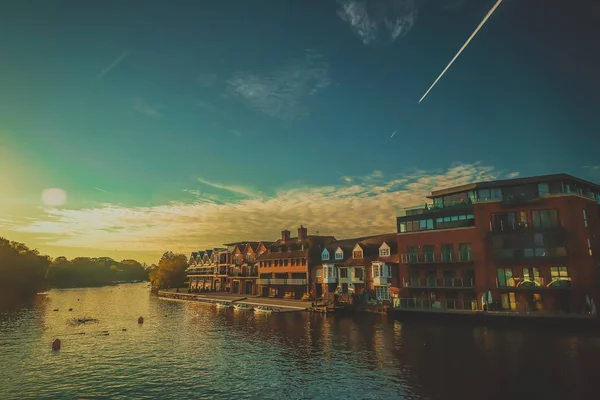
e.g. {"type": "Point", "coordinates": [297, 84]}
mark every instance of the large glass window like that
{"type": "Point", "coordinates": [508, 301]}
{"type": "Point", "coordinates": [532, 275]}
{"type": "Point", "coordinates": [413, 254]}
{"type": "Point", "coordinates": [543, 189]}
{"type": "Point", "coordinates": [505, 277]}
{"type": "Point", "coordinates": [545, 218]}
{"type": "Point", "coordinates": [465, 251]}
{"type": "Point", "coordinates": [504, 221]}
{"type": "Point", "coordinates": [429, 253]}
{"type": "Point", "coordinates": [447, 252]}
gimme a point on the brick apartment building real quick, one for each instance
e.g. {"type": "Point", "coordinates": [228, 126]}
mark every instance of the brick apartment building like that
{"type": "Point", "coordinates": [532, 243]}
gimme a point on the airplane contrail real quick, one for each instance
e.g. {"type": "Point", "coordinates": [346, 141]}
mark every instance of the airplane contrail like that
{"type": "Point", "coordinates": [394, 133]}
{"type": "Point", "coordinates": [463, 47]}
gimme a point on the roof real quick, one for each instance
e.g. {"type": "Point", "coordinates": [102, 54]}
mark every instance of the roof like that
{"type": "Point", "coordinates": [283, 254]}
{"type": "Point", "coordinates": [511, 182]}
{"type": "Point", "coordinates": [370, 246]}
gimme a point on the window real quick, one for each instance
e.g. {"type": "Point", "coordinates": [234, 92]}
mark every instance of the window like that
{"type": "Point", "coordinates": [384, 252]}
{"type": "Point", "coordinates": [585, 219]}
{"type": "Point", "coordinates": [465, 252]}
{"type": "Point", "coordinates": [590, 252]}
{"type": "Point", "coordinates": [425, 224]}
{"type": "Point", "coordinates": [382, 293]}
{"type": "Point", "coordinates": [318, 273]}
{"type": "Point", "coordinates": [508, 301]}
{"type": "Point", "coordinates": [504, 221]}
{"type": "Point", "coordinates": [505, 277]}
{"type": "Point", "coordinates": [523, 220]}
{"type": "Point", "coordinates": [293, 261]}
{"type": "Point", "coordinates": [285, 262]}
{"type": "Point", "coordinates": [402, 227]}
{"type": "Point", "coordinates": [447, 252]}
{"type": "Point", "coordinates": [339, 255]}
{"type": "Point", "coordinates": [249, 257]}
{"type": "Point", "coordinates": [343, 272]}
{"type": "Point", "coordinates": [413, 254]}
{"type": "Point", "coordinates": [357, 254]}
{"type": "Point", "coordinates": [559, 277]}
{"type": "Point", "coordinates": [531, 275]}
{"type": "Point", "coordinates": [543, 189]}
{"type": "Point", "coordinates": [429, 253]}
{"type": "Point", "coordinates": [375, 270]}
{"type": "Point", "coordinates": [545, 218]}
{"type": "Point", "coordinates": [358, 273]}
{"type": "Point", "coordinates": [304, 261]}
{"type": "Point", "coordinates": [325, 255]}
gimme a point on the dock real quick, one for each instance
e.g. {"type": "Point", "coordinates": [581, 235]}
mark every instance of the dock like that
{"type": "Point", "coordinates": [284, 305]}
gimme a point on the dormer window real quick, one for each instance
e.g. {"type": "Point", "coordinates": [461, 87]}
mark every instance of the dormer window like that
{"type": "Point", "coordinates": [339, 255]}
{"type": "Point", "coordinates": [325, 255]}
{"type": "Point", "coordinates": [357, 254]}
{"type": "Point", "coordinates": [384, 251]}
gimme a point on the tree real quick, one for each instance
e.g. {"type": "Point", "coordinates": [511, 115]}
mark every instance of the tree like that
{"type": "Point", "coordinates": [170, 271]}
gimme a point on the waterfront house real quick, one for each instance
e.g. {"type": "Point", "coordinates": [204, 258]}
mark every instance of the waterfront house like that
{"type": "Point", "coordinates": [285, 268]}
{"type": "Point", "coordinates": [357, 266]}
{"type": "Point", "coordinates": [531, 243]}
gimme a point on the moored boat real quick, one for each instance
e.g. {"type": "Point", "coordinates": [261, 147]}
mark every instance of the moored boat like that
{"type": "Point", "coordinates": [243, 307]}
{"type": "Point", "coordinates": [265, 310]}
{"type": "Point", "coordinates": [224, 304]}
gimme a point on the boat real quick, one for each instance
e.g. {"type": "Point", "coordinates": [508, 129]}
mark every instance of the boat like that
{"type": "Point", "coordinates": [224, 304]}
{"type": "Point", "coordinates": [243, 307]}
{"type": "Point", "coordinates": [265, 310]}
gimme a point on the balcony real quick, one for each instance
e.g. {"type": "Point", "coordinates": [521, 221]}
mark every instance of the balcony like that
{"type": "Point", "coordinates": [330, 279]}
{"type": "Point", "coordinates": [534, 284]}
{"type": "Point", "coordinates": [281, 281]}
{"type": "Point", "coordinates": [295, 281]}
{"type": "Point", "coordinates": [445, 283]}
{"type": "Point", "coordinates": [435, 305]}
{"type": "Point", "coordinates": [429, 208]}
{"type": "Point", "coordinates": [540, 255]}
{"type": "Point", "coordinates": [521, 228]}
{"type": "Point", "coordinates": [435, 258]}
{"type": "Point", "coordinates": [381, 280]}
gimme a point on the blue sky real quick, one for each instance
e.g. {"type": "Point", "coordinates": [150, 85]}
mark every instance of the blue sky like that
{"type": "Point", "coordinates": [147, 113]}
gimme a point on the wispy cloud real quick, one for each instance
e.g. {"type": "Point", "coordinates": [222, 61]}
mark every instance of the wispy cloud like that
{"type": "Point", "coordinates": [112, 65]}
{"type": "Point", "coordinates": [592, 167]}
{"type": "Point", "coordinates": [141, 106]}
{"type": "Point", "coordinates": [240, 190]}
{"type": "Point", "coordinates": [100, 190]}
{"type": "Point", "coordinates": [236, 132]}
{"type": "Point", "coordinates": [381, 21]}
{"type": "Point", "coordinates": [283, 93]}
{"type": "Point", "coordinates": [365, 205]}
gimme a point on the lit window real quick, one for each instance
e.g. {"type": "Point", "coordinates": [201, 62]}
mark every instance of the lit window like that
{"type": "Point", "coordinates": [357, 254]}
{"type": "Point", "coordinates": [318, 273]}
{"type": "Point", "coordinates": [505, 277]}
{"type": "Point", "coordinates": [589, 247]}
{"type": "Point", "coordinates": [384, 252]}
{"type": "Point", "coordinates": [585, 219]}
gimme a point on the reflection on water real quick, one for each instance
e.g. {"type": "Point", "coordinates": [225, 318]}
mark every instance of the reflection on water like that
{"type": "Point", "coordinates": [189, 350]}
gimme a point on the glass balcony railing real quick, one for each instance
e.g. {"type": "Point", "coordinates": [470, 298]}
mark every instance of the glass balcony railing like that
{"type": "Point", "coordinates": [430, 258]}
{"type": "Point", "coordinates": [439, 283]}
{"type": "Point", "coordinates": [435, 305]}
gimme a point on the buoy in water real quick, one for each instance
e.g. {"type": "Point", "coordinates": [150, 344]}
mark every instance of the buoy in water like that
{"type": "Point", "coordinates": [123, 329]}
{"type": "Point", "coordinates": [56, 309]}
{"type": "Point", "coordinates": [56, 344]}
{"type": "Point", "coordinates": [140, 320]}
{"type": "Point", "coordinates": [70, 309]}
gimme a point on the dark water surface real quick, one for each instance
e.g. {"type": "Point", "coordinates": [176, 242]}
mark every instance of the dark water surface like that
{"type": "Point", "coordinates": [195, 351]}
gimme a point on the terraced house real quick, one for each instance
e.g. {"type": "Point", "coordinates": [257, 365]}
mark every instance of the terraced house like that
{"type": "Point", "coordinates": [284, 269]}
{"type": "Point", "coordinates": [361, 266]}
{"type": "Point", "coordinates": [528, 244]}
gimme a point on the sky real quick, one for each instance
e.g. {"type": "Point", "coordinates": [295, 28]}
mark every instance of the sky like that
{"type": "Point", "coordinates": [131, 128]}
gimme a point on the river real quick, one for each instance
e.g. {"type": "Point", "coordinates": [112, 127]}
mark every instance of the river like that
{"type": "Point", "coordinates": [196, 351]}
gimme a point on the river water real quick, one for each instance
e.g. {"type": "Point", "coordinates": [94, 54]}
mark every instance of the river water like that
{"type": "Point", "coordinates": [196, 351]}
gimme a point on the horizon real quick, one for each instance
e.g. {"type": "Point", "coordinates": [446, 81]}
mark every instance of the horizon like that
{"type": "Point", "coordinates": [181, 129]}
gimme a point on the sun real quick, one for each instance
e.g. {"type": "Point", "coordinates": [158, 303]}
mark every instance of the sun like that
{"type": "Point", "coordinates": [54, 197]}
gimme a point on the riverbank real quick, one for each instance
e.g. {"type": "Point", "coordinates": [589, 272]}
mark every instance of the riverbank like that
{"type": "Point", "coordinates": [284, 305]}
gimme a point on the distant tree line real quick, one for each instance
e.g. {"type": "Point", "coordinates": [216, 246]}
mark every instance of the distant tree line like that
{"type": "Point", "coordinates": [24, 271]}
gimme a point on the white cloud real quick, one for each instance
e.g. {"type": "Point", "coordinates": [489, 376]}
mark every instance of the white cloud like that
{"type": "Point", "coordinates": [151, 111]}
{"type": "Point", "coordinates": [283, 93]}
{"type": "Point", "coordinates": [592, 167]}
{"type": "Point", "coordinates": [379, 21]}
{"type": "Point", "coordinates": [112, 65]}
{"type": "Point", "coordinates": [362, 207]}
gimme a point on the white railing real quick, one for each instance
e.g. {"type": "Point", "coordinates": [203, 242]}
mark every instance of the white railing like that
{"type": "Point", "coordinates": [295, 281]}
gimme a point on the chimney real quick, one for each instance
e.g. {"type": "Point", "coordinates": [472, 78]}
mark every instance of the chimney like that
{"type": "Point", "coordinates": [285, 235]}
{"type": "Point", "coordinates": [302, 233]}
